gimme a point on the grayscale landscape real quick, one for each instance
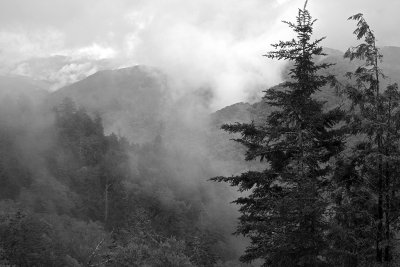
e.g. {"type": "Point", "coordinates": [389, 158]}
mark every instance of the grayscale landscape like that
{"type": "Point", "coordinates": [199, 133]}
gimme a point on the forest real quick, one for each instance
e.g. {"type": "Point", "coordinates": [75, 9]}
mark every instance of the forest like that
{"type": "Point", "coordinates": [314, 183]}
{"type": "Point", "coordinates": [91, 207]}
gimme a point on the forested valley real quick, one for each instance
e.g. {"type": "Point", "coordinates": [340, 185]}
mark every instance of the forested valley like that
{"type": "Point", "coordinates": [104, 172]}
{"type": "Point", "coordinates": [80, 202]}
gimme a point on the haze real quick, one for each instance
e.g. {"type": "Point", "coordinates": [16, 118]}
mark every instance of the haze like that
{"type": "Point", "coordinates": [199, 43]}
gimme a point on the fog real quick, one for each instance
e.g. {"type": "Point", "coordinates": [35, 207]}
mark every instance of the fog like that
{"type": "Point", "coordinates": [199, 56]}
{"type": "Point", "coordinates": [198, 43]}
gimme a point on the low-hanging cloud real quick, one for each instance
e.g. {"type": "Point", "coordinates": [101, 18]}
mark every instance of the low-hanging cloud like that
{"type": "Point", "coordinates": [212, 44]}
{"type": "Point", "coordinates": [215, 44]}
{"type": "Point", "coordinates": [199, 44]}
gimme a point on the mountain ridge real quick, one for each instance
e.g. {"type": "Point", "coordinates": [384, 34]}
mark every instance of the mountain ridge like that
{"type": "Point", "coordinates": [132, 100]}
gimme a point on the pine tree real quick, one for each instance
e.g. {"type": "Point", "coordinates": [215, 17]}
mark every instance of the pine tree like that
{"type": "Point", "coordinates": [286, 213]}
{"type": "Point", "coordinates": [366, 181]}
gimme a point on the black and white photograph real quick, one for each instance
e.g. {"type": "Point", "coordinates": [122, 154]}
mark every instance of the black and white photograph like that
{"type": "Point", "coordinates": [199, 133]}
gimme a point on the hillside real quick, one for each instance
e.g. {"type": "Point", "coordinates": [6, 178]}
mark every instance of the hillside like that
{"type": "Point", "coordinates": [66, 166]}
{"type": "Point", "coordinates": [130, 101]}
{"type": "Point", "coordinates": [133, 103]}
{"type": "Point", "coordinates": [242, 112]}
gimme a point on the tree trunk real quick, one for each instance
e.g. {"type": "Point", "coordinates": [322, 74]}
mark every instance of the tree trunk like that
{"type": "Point", "coordinates": [380, 224]}
{"type": "Point", "coordinates": [379, 253]}
{"type": "Point", "coordinates": [106, 203]}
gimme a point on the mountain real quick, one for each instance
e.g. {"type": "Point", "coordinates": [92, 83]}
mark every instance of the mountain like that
{"type": "Point", "coordinates": [245, 112]}
{"type": "Point", "coordinates": [130, 100]}
{"type": "Point", "coordinates": [59, 71]}
{"type": "Point", "coordinates": [133, 101]}
{"type": "Point", "coordinates": [182, 146]}
{"type": "Point", "coordinates": [390, 63]}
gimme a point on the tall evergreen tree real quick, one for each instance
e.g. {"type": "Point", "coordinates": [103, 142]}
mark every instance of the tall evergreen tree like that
{"type": "Point", "coordinates": [286, 213]}
{"type": "Point", "coordinates": [367, 187]}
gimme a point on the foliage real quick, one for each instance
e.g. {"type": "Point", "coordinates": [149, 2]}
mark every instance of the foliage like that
{"type": "Point", "coordinates": [367, 188]}
{"type": "Point", "coordinates": [324, 193]}
{"type": "Point", "coordinates": [139, 245]}
{"type": "Point", "coordinates": [80, 200]}
{"type": "Point", "coordinates": [27, 240]}
{"type": "Point", "coordinates": [286, 213]}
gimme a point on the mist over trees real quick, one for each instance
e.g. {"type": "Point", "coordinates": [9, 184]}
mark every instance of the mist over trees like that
{"type": "Point", "coordinates": [91, 206]}
{"type": "Point", "coordinates": [84, 184]}
{"type": "Point", "coordinates": [328, 195]}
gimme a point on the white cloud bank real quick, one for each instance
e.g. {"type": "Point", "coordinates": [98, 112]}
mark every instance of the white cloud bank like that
{"type": "Point", "coordinates": [213, 44]}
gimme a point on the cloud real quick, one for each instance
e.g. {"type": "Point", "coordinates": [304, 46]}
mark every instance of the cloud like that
{"type": "Point", "coordinates": [19, 44]}
{"type": "Point", "coordinates": [200, 43]}
{"type": "Point", "coordinates": [212, 44]}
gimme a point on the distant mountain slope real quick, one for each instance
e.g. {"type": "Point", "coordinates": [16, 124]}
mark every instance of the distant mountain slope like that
{"type": "Point", "coordinates": [229, 151]}
{"type": "Point", "coordinates": [59, 70]}
{"type": "Point", "coordinates": [390, 63]}
{"type": "Point", "coordinates": [242, 112]}
{"type": "Point", "coordinates": [129, 100]}
{"type": "Point", "coordinates": [20, 88]}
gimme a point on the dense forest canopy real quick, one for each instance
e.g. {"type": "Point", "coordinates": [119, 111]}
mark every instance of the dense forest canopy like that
{"type": "Point", "coordinates": [84, 202]}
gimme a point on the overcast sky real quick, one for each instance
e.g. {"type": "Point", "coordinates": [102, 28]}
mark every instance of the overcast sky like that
{"type": "Point", "coordinates": [213, 42]}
